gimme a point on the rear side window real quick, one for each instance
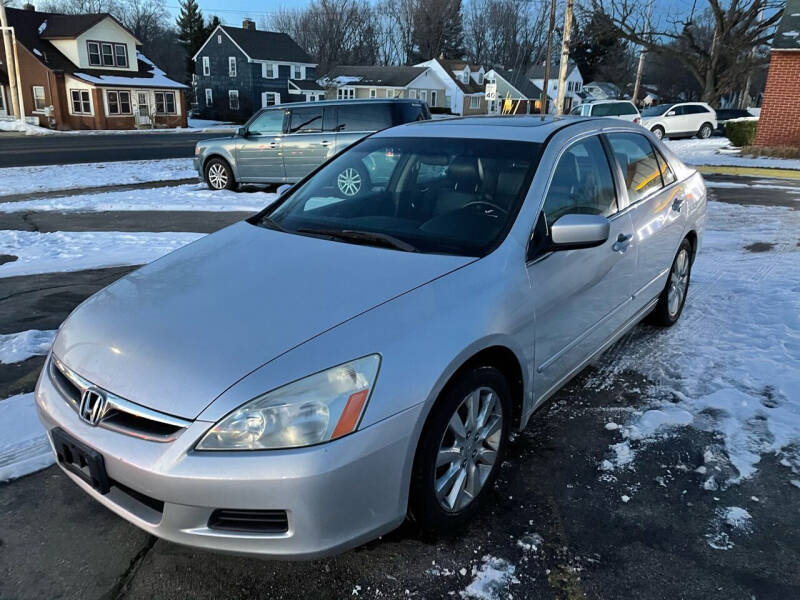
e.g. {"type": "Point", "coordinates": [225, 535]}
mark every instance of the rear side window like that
{"type": "Point", "coordinates": [364, 117]}
{"type": "Point", "coordinates": [306, 120]}
{"type": "Point", "coordinates": [695, 109]}
{"type": "Point", "coordinates": [582, 183]}
{"type": "Point", "coordinates": [666, 171]}
{"type": "Point", "coordinates": [637, 159]}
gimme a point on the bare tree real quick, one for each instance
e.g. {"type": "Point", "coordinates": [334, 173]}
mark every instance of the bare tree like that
{"type": "Point", "coordinates": [715, 46]}
{"type": "Point", "coordinates": [395, 31]}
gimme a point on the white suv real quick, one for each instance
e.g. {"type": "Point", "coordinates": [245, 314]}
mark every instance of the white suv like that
{"type": "Point", "coordinates": [621, 109]}
{"type": "Point", "coordinates": [680, 120]}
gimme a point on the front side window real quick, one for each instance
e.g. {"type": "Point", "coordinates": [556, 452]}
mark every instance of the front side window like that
{"type": "Point", "coordinates": [233, 99]}
{"type": "Point", "coordinates": [582, 183]}
{"type": "Point", "coordinates": [306, 120]}
{"type": "Point", "coordinates": [232, 66]}
{"type": "Point", "coordinates": [269, 122]}
{"type": "Point", "coordinates": [165, 103]}
{"type": "Point", "coordinates": [38, 98]}
{"type": "Point", "coordinates": [638, 162]}
{"type": "Point", "coordinates": [656, 111]}
{"type": "Point", "coordinates": [81, 105]}
{"type": "Point", "coordinates": [435, 195]}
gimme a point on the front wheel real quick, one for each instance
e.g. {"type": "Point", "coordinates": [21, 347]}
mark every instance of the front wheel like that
{"type": "Point", "coordinates": [460, 450]}
{"type": "Point", "coordinates": [705, 131]}
{"type": "Point", "coordinates": [658, 132]}
{"type": "Point", "coordinates": [673, 296]}
{"type": "Point", "coordinates": [219, 175]}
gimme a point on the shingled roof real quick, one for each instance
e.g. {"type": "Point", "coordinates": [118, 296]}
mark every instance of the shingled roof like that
{"type": "Point", "coordinates": [519, 81]}
{"type": "Point", "coordinates": [267, 45]}
{"type": "Point", "coordinates": [458, 65]}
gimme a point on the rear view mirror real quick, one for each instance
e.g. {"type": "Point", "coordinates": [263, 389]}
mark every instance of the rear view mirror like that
{"type": "Point", "coordinates": [575, 231]}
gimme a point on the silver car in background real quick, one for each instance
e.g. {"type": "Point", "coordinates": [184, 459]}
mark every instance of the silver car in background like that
{"type": "Point", "coordinates": [283, 144]}
{"type": "Point", "coordinates": [298, 383]}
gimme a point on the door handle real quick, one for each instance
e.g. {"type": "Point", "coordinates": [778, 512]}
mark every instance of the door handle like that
{"type": "Point", "coordinates": [325, 143]}
{"type": "Point", "coordinates": [273, 145]}
{"type": "Point", "coordinates": [622, 243]}
{"type": "Point", "coordinates": [677, 204]}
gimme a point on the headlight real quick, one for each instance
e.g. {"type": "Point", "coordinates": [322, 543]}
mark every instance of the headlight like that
{"type": "Point", "coordinates": [316, 409]}
{"type": "Point", "coordinates": [198, 149]}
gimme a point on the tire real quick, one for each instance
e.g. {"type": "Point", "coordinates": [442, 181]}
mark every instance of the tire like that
{"type": "Point", "coordinates": [668, 310]}
{"type": "Point", "coordinates": [705, 131]}
{"type": "Point", "coordinates": [658, 131]}
{"type": "Point", "coordinates": [473, 462]}
{"type": "Point", "coordinates": [219, 175]}
{"type": "Point", "coordinates": [352, 181]}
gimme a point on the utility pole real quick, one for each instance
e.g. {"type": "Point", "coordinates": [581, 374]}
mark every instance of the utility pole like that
{"type": "Point", "coordinates": [563, 67]}
{"type": "Point", "coordinates": [547, 57]}
{"type": "Point", "coordinates": [642, 55]}
{"type": "Point", "coordinates": [8, 46]}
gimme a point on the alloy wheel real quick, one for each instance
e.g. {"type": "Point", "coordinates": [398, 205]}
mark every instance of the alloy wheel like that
{"type": "Point", "coordinates": [678, 282]}
{"type": "Point", "coordinates": [468, 449]}
{"type": "Point", "coordinates": [658, 133]}
{"type": "Point", "coordinates": [349, 182]}
{"type": "Point", "coordinates": [217, 176]}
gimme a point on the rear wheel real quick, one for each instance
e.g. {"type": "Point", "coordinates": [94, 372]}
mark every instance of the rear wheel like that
{"type": "Point", "coordinates": [460, 450]}
{"type": "Point", "coordinates": [705, 131]}
{"type": "Point", "coordinates": [219, 175]}
{"type": "Point", "coordinates": [658, 131]}
{"type": "Point", "coordinates": [673, 296]}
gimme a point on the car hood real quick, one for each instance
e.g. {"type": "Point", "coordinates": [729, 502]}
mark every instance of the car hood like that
{"type": "Point", "coordinates": [178, 332]}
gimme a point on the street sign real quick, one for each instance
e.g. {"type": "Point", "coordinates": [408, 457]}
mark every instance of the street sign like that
{"type": "Point", "coordinates": [491, 91]}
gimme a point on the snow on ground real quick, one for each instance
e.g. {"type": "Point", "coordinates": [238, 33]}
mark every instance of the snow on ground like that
{"type": "Point", "coordinates": [24, 447]}
{"type": "Point", "coordinates": [756, 184]}
{"type": "Point", "coordinates": [24, 180]}
{"type": "Point", "coordinates": [731, 365]}
{"type": "Point", "coordinates": [23, 127]}
{"type": "Point", "coordinates": [491, 579]}
{"type": "Point", "coordinates": [727, 522]}
{"type": "Point", "coordinates": [716, 151]}
{"type": "Point", "coordinates": [185, 197]}
{"type": "Point", "coordinates": [75, 251]}
{"type": "Point", "coordinates": [16, 347]}
{"type": "Point", "coordinates": [210, 124]}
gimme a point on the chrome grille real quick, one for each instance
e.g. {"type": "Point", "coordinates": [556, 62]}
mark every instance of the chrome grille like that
{"type": "Point", "coordinates": [118, 414]}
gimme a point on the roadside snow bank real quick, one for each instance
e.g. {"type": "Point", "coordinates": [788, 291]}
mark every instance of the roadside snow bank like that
{"type": "Point", "coordinates": [26, 128]}
{"type": "Point", "coordinates": [24, 447]}
{"type": "Point", "coordinates": [716, 151]}
{"type": "Point", "coordinates": [75, 251]}
{"type": "Point", "coordinates": [16, 347]}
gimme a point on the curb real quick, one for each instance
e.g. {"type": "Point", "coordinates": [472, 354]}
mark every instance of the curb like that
{"type": "Point", "coordinates": [749, 171]}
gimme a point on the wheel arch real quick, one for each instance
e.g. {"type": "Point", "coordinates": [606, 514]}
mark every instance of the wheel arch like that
{"type": "Point", "coordinates": [222, 156]}
{"type": "Point", "coordinates": [691, 235]}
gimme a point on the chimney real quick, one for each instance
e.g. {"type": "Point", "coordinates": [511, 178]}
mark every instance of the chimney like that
{"type": "Point", "coordinates": [249, 24]}
{"type": "Point", "coordinates": [29, 6]}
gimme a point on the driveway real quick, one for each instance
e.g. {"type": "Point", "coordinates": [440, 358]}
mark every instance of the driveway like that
{"type": "Point", "coordinates": [571, 516]}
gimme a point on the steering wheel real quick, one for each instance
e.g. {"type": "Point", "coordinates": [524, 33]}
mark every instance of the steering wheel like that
{"type": "Point", "coordinates": [485, 203]}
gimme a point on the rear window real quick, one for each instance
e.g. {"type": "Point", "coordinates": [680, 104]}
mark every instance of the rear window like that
{"type": "Point", "coordinates": [613, 109]}
{"type": "Point", "coordinates": [408, 112]}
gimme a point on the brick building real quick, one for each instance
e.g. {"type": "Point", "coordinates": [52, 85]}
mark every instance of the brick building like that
{"type": "Point", "coordinates": [779, 123]}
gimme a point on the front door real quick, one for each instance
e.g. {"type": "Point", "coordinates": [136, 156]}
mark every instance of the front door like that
{"type": "Point", "coordinates": [433, 98]}
{"type": "Point", "coordinates": [259, 155]}
{"type": "Point", "coordinates": [142, 108]}
{"type": "Point", "coordinates": [582, 296]}
{"type": "Point", "coordinates": [306, 145]}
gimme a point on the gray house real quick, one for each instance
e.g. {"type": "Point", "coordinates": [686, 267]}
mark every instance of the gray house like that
{"type": "Point", "coordinates": [239, 70]}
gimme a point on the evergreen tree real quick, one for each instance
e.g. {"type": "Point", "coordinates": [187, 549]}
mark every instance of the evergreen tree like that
{"type": "Point", "coordinates": [601, 52]}
{"type": "Point", "coordinates": [212, 25]}
{"type": "Point", "coordinates": [438, 29]}
{"type": "Point", "coordinates": [191, 31]}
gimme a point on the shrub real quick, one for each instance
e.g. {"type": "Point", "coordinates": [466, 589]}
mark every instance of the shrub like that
{"type": "Point", "coordinates": [440, 110]}
{"type": "Point", "coordinates": [741, 133]}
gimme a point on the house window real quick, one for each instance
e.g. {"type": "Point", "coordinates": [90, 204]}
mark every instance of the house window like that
{"type": "Point", "coordinates": [480, 78]}
{"type": "Point", "coordinates": [271, 99]}
{"type": "Point", "coordinates": [108, 54]}
{"type": "Point", "coordinates": [474, 102]}
{"type": "Point", "coordinates": [121, 55]}
{"type": "Point", "coordinates": [165, 103]}
{"type": "Point", "coordinates": [38, 98]}
{"type": "Point", "coordinates": [269, 70]}
{"type": "Point", "coordinates": [345, 93]}
{"type": "Point", "coordinates": [206, 66]}
{"type": "Point", "coordinates": [233, 99]}
{"type": "Point", "coordinates": [119, 103]}
{"type": "Point", "coordinates": [209, 97]}
{"type": "Point", "coordinates": [81, 104]}
{"type": "Point", "coordinates": [94, 54]}
{"type": "Point", "coordinates": [297, 72]}
{"type": "Point", "coordinates": [423, 95]}
{"type": "Point", "coordinates": [219, 39]}
{"type": "Point", "coordinates": [232, 66]}
{"type": "Point", "coordinates": [465, 76]}
{"type": "Point", "coordinates": [373, 93]}
{"type": "Point", "coordinates": [412, 93]}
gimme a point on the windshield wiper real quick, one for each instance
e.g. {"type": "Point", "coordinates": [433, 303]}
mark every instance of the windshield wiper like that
{"type": "Point", "coordinates": [367, 237]}
{"type": "Point", "coordinates": [273, 224]}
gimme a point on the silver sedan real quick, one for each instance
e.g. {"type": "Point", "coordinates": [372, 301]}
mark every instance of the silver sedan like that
{"type": "Point", "coordinates": [300, 382]}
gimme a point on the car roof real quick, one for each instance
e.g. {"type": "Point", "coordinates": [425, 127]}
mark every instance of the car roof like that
{"type": "Point", "coordinates": [529, 128]}
{"type": "Point", "coordinates": [609, 100]}
{"type": "Point", "coordinates": [348, 102]}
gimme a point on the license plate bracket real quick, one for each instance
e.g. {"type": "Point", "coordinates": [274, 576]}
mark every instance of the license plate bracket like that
{"type": "Point", "coordinates": [77, 458]}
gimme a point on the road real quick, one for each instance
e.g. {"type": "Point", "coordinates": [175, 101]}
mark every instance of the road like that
{"type": "Point", "coordinates": [553, 515]}
{"type": "Point", "coordinates": [21, 151]}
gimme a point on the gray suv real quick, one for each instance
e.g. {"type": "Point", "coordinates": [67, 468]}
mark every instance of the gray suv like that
{"type": "Point", "coordinates": [283, 144]}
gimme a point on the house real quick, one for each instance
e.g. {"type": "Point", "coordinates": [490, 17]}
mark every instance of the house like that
{"type": "Point", "coordinates": [516, 88]}
{"type": "Point", "coordinates": [239, 70]}
{"type": "Point", "coordinates": [602, 90]}
{"type": "Point", "coordinates": [779, 122]}
{"type": "Point", "coordinates": [85, 72]}
{"type": "Point", "coordinates": [348, 82]}
{"type": "Point", "coordinates": [574, 84]}
{"type": "Point", "coordinates": [465, 91]}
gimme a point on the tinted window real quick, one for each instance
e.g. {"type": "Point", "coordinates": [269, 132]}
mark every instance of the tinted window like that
{"type": "Point", "coordinates": [440, 195]}
{"type": "Point", "coordinates": [364, 117]}
{"type": "Point", "coordinates": [655, 111]}
{"type": "Point", "coordinates": [666, 171]}
{"type": "Point", "coordinates": [268, 122]}
{"type": "Point", "coordinates": [582, 183]}
{"type": "Point", "coordinates": [679, 110]}
{"type": "Point", "coordinates": [613, 109]}
{"type": "Point", "coordinates": [408, 112]}
{"type": "Point", "coordinates": [695, 109]}
{"type": "Point", "coordinates": [306, 120]}
{"type": "Point", "coordinates": [638, 162]}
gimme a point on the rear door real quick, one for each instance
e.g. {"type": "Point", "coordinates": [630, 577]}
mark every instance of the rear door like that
{"type": "Point", "coordinates": [307, 145]}
{"type": "Point", "coordinates": [259, 155]}
{"type": "Point", "coordinates": [656, 201]}
{"type": "Point", "coordinates": [581, 297]}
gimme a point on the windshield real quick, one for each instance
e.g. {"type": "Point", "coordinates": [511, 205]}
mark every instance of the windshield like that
{"type": "Point", "coordinates": [654, 111]}
{"type": "Point", "coordinates": [434, 195]}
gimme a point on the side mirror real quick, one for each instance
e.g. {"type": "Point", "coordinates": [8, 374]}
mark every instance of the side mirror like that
{"type": "Point", "coordinates": [574, 231]}
{"type": "Point", "coordinates": [283, 189]}
{"type": "Point", "coordinates": [671, 113]}
{"type": "Point", "coordinates": [242, 132]}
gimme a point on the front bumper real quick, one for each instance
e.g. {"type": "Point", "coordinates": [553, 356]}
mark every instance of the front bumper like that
{"type": "Point", "coordinates": [197, 162]}
{"type": "Point", "coordinates": [336, 495]}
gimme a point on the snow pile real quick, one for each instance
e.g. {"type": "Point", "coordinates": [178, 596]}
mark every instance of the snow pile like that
{"type": "Point", "coordinates": [184, 197]}
{"type": "Point", "coordinates": [211, 124]}
{"type": "Point", "coordinates": [24, 180]}
{"type": "Point", "coordinates": [155, 78]}
{"type": "Point", "coordinates": [491, 580]}
{"type": "Point", "coordinates": [16, 347]}
{"type": "Point", "coordinates": [716, 151]}
{"type": "Point", "coordinates": [726, 522]}
{"type": "Point", "coordinates": [74, 251]}
{"type": "Point", "coordinates": [731, 365]}
{"type": "Point", "coordinates": [23, 127]}
{"type": "Point", "coordinates": [24, 447]}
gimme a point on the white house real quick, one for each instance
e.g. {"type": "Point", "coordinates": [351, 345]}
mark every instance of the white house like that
{"type": "Point", "coordinates": [464, 81]}
{"type": "Point", "coordinates": [574, 84]}
{"type": "Point", "coordinates": [350, 82]}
